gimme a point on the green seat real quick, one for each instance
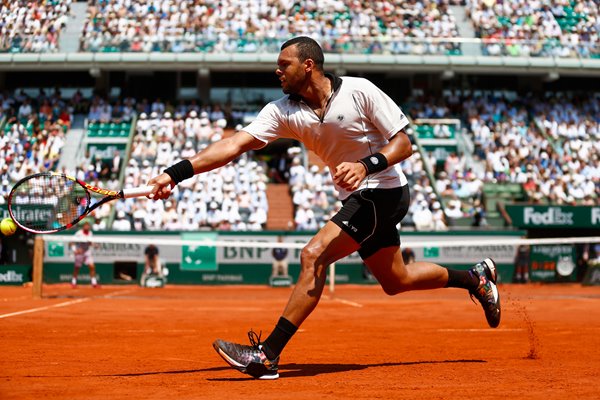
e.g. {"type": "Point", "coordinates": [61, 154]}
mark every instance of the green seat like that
{"type": "Point", "coordinates": [491, 203]}
{"type": "Point", "coordinates": [496, 221]}
{"type": "Point", "coordinates": [463, 221]}
{"type": "Point", "coordinates": [424, 131]}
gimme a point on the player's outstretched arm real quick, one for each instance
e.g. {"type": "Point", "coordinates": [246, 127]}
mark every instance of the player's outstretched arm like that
{"type": "Point", "coordinates": [214, 156]}
{"type": "Point", "coordinates": [349, 175]}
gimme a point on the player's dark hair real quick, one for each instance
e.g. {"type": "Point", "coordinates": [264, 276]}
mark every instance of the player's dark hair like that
{"type": "Point", "coordinates": [307, 48]}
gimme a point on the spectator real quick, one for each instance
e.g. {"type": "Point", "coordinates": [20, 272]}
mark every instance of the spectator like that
{"type": "Point", "coordinates": [121, 223]}
{"type": "Point", "coordinates": [423, 218]}
{"type": "Point", "coordinates": [438, 217]}
{"type": "Point", "coordinates": [454, 210]}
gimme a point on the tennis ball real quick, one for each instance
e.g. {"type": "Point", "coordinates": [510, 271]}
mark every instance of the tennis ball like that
{"type": "Point", "coordinates": [8, 226]}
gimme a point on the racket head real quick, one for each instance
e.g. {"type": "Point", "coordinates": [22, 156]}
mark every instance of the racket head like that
{"type": "Point", "coordinates": [48, 202]}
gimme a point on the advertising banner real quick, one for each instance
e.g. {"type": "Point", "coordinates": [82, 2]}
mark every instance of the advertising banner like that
{"type": "Point", "coordinates": [529, 216]}
{"type": "Point", "coordinates": [199, 258]}
{"type": "Point", "coordinates": [254, 255]}
{"type": "Point", "coordinates": [106, 151]}
{"type": "Point", "coordinates": [112, 252]}
{"type": "Point", "coordinates": [462, 255]}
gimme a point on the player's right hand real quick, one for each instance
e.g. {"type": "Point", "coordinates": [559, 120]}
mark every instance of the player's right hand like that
{"type": "Point", "coordinates": [162, 187]}
{"type": "Point", "coordinates": [349, 175]}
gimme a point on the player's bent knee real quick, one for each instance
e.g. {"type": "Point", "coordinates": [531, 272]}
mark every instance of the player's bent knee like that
{"type": "Point", "coordinates": [392, 290]}
{"type": "Point", "coordinates": [392, 287]}
{"type": "Point", "coordinates": [311, 259]}
{"type": "Point", "coordinates": [309, 255]}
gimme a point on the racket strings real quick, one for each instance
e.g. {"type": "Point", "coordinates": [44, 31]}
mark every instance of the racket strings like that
{"type": "Point", "coordinates": [49, 202]}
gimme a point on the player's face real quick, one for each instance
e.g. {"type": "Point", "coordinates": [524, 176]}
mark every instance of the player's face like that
{"type": "Point", "coordinates": [290, 71]}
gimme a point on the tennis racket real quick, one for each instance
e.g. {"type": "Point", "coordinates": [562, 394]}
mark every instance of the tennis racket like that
{"type": "Point", "coordinates": [50, 202]}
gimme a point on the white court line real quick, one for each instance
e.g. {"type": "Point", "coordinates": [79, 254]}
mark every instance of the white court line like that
{"type": "Point", "coordinates": [117, 293]}
{"type": "Point", "coordinates": [482, 330]}
{"type": "Point", "coordinates": [346, 302]}
{"type": "Point", "coordinates": [32, 310]}
{"type": "Point", "coordinates": [15, 298]}
{"type": "Point", "coordinates": [64, 304]}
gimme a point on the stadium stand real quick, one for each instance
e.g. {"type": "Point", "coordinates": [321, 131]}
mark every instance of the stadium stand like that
{"type": "Point", "coordinates": [537, 28]}
{"type": "Point", "coordinates": [572, 126]}
{"type": "Point", "coordinates": [32, 136]}
{"type": "Point", "coordinates": [250, 27]}
{"type": "Point", "coordinates": [230, 198]}
{"type": "Point", "coordinates": [538, 149]}
{"type": "Point", "coordinates": [32, 26]}
{"type": "Point", "coordinates": [316, 200]}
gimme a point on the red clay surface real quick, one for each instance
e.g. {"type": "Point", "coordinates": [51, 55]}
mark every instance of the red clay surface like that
{"type": "Point", "coordinates": [127, 342]}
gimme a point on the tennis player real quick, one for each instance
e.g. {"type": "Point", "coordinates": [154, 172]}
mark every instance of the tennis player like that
{"type": "Point", "coordinates": [357, 130]}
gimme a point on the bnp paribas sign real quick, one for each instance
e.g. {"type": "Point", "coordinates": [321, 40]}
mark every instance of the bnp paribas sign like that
{"type": "Point", "coordinates": [529, 216]}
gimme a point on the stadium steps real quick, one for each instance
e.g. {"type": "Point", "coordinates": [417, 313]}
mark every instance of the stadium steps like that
{"type": "Point", "coordinates": [69, 38]}
{"type": "Point", "coordinates": [465, 30]}
{"type": "Point", "coordinates": [71, 152]}
{"type": "Point", "coordinates": [281, 210]}
{"type": "Point", "coordinates": [467, 148]}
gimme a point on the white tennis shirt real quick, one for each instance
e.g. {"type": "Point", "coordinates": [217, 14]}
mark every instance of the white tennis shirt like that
{"type": "Point", "coordinates": [359, 120]}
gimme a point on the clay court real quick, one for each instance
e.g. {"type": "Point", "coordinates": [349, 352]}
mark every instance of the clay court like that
{"type": "Point", "coordinates": [128, 342]}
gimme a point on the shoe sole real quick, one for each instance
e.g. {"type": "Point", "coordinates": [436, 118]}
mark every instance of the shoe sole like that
{"type": "Point", "coordinates": [492, 268]}
{"type": "Point", "coordinates": [240, 367]}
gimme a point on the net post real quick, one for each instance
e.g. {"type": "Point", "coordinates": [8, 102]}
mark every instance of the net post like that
{"type": "Point", "coordinates": [331, 278]}
{"type": "Point", "coordinates": [38, 266]}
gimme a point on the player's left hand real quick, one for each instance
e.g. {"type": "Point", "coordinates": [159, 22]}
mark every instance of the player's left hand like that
{"type": "Point", "coordinates": [349, 175]}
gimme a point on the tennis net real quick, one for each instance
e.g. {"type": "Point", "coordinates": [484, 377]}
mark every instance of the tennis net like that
{"type": "Point", "coordinates": [274, 259]}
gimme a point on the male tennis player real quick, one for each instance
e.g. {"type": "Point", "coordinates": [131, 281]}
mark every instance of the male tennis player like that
{"type": "Point", "coordinates": [357, 130]}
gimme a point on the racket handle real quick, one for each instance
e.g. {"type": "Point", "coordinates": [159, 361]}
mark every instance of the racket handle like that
{"type": "Point", "coordinates": [137, 192]}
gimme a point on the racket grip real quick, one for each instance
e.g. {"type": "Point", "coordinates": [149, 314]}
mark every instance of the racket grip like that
{"type": "Point", "coordinates": [137, 192]}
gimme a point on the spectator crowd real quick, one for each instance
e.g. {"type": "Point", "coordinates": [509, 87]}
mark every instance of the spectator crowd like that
{"type": "Point", "coordinates": [390, 27]}
{"type": "Point", "coordinates": [565, 28]}
{"type": "Point", "coordinates": [32, 136]}
{"type": "Point", "coordinates": [232, 197]}
{"type": "Point", "coordinates": [32, 26]}
{"type": "Point", "coordinates": [548, 146]}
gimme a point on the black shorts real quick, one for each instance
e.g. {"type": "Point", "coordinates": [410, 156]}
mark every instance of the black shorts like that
{"type": "Point", "coordinates": [370, 217]}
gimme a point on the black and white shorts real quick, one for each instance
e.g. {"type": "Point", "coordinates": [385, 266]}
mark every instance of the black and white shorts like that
{"type": "Point", "coordinates": [370, 217]}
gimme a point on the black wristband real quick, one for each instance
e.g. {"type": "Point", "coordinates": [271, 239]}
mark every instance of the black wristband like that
{"type": "Point", "coordinates": [374, 163]}
{"type": "Point", "coordinates": [180, 171]}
